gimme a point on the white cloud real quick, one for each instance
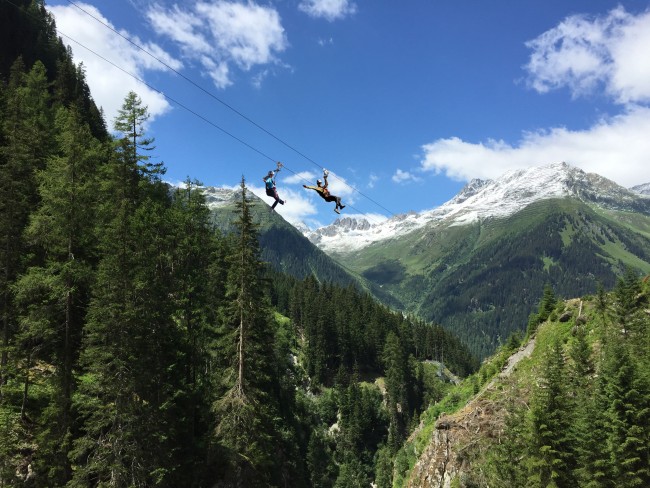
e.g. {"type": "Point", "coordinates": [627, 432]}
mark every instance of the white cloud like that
{"type": "Point", "coordinates": [617, 148]}
{"type": "Point", "coordinates": [223, 34]}
{"type": "Point", "coordinates": [404, 176]}
{"type": "Point", "coordinates": [297, 208]}
{"type": "Point", "coordinates": [588, 53]}
{"type": "Point", "coordinates": [328, 9]}
{"type": "Point", "coordinates": [372, 179]}
{"type": "Point", "coordinates": [302, 177]}
{"type": "Point", "coordinates": [109, 85]}
{"type": "Point", "coordinates": [584, 54]}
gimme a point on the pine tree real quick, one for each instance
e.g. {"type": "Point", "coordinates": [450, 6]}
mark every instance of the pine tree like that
{"type": "Point", "coordinates": [197, 267]}
{"type": "Point", "coordinates": [625, 306]}
{"type": "Point", "coordinates": [550, 417]}
{"type": "Point", "coordinates": [397, 383]}
{"type": "Point", "coordinates": [627, 419]}
{"type": "Point", "coordinates": [26, 143]}
{"type": "Point", "coordinates": [319, 461]}
{"type": "Point", "coordinates": [54, 295]}
{"type": "Point", "coordinates": [245, 411]}
{"type": "Point", "coordinates": [132, 370]}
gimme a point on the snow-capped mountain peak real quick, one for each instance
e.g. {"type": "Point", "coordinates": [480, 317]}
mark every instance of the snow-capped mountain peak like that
{"type": "Point", "coordinates": [643, 189]}
{"type": "Point", "coordinates": [478, 200]}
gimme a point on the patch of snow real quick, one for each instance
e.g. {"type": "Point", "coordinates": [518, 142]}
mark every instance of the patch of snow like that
{"type": "Point", "coordinates": [643, 189]}
{"type": "Point", "coordinates": [478, 200]}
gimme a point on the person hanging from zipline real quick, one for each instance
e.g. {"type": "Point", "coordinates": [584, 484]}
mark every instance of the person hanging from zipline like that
{"type": "Point", "coordinates": [271, 190]}
{"type": "Point", "coordinates": [325, 193]}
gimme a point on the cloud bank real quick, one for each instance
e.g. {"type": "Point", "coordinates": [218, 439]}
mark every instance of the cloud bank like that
{"type": "Point", "coordinates": [606, 54]}
{"type": "Point", "coordinates": [109, 84]}
{"type": "Point", "coordinates": [222, 36]}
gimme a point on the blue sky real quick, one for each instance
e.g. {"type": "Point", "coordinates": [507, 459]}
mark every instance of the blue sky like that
{"type": "Point", "coordinates": [403, 102]}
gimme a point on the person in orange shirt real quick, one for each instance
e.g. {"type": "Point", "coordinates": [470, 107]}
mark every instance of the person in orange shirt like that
{"type": "Point", "coordinates": [325, 193]}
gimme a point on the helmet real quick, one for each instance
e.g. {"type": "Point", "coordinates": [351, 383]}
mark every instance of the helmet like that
{"type": "Point", "coordinates": [319, 182]}
{"type": "Point", "coordinates": [271, 173]}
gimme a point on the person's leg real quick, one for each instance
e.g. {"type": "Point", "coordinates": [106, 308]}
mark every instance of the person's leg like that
{"type": "Point", "coordinates": [277, 199]}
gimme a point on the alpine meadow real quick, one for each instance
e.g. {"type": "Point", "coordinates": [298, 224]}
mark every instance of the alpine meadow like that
{"type": "Point", "coordinates": [183, 335]}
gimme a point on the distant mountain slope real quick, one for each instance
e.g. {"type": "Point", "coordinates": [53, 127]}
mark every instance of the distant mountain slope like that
{"type": "Point", "coordinates": [484, 199]}
{"type": "Point", "coordinates": [478, 263]}
{"type": "Point", "coordinates": [284, 247]}
{"type": "Point", "coordinates": [642, 189]}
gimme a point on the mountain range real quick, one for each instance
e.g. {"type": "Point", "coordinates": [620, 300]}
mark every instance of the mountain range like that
{"type": "Point", "coordinates": [480, 200]}
{"type": "Point", "coordinates": [478, 263]}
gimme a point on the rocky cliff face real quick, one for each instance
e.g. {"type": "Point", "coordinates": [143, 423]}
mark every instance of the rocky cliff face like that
{"type": "Point", "coordinates": [457, 436]}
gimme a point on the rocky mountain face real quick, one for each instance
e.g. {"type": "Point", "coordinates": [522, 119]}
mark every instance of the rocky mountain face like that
{"type": "Point", "coordinates": [478, 263]}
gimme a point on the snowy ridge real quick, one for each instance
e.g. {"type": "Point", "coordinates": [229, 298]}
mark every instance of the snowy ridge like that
{"type": "Point", "coordinates": [478, 200]}
{"type": "Point", "coordinates": [218, 197]}
{"type": "Point", "coordinates": [642, 189]}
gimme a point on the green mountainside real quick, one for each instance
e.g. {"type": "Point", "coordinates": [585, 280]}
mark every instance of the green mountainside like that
{"type": "Point", "coordinates": [481, 280]}
{"type": "Point", "coordinates": [140, 346]}
{"type": "Point", "coordinates": [566, 407]}
{"type": "Point", "coordinates": [285, 248]}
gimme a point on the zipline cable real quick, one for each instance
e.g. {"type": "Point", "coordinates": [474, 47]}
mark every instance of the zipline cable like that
{"type": "Point", "coordinates": [225, 104]}
{"type": "Point", "coordinates": [183, 106]}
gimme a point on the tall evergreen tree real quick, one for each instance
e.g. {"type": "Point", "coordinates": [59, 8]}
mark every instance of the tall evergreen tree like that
{"type": "Point", "coordinates": [130, 354]}
{"type": "Point", "coordinates": [246, 410]}
{"type": "Point", "coordinates": [628, 419]}
{"type": "Point", "coordinates": [27, 140]}
{"type": "Point", "coordinates": [397, 384]}
{"type": "Point", "coordinates": [550, 417]}
{"type": "Point", "coordinates": [626, 294]}
{"type": "Point", "coordinates": [54, 294]}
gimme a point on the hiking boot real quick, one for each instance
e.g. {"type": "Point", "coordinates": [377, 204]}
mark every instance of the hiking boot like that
{"type": "Point", "coordinates": [337, 211]}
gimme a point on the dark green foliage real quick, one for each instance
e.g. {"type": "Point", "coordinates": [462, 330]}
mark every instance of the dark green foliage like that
{"type": "Point", "coordinates": [398, 380]}
{"type": "Point", "coordinates": [589, 420]}
{"type": "Point", "coordinates": [54, 294]}
{"type": "Point", "coordinates": [342, 327]}
{"type": "Point", "coordinates": [488, 276]}
{"type": "Point", "coordinates": [320, 461]}
{"type": "Point", "coordinates": [140, 347]}
{"type": "Point", "coordinates": [550, 446]}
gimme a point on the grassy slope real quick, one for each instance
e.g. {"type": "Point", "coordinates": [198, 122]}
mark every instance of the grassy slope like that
{"type": "Point", "coordinates": [484, 278]}
{"type": "Point", "coordinates": [490, 390]}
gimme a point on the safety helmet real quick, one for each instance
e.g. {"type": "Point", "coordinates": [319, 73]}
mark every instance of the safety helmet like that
{"type": "Point", "coordinates": [318, 182]}
{"type": "Point", "coordinates": [271, 173]}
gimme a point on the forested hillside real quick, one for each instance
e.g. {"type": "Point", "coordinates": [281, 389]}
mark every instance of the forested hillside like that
{"type": "Point", "coordinates": [287, 250]}
{"type": "Point", "coordinates": [481, 279]}
{"type": "Point", "coordinates": [142, 347]}
{"type": "Point", "coordinates": [569, 408]}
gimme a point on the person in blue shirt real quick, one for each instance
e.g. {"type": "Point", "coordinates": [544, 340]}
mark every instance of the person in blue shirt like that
{"type": "Point", "coordinates": [271, 190]}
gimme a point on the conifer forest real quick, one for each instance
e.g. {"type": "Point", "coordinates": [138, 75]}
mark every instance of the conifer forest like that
{"type": "Point", "coordinates": [141, 346]}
